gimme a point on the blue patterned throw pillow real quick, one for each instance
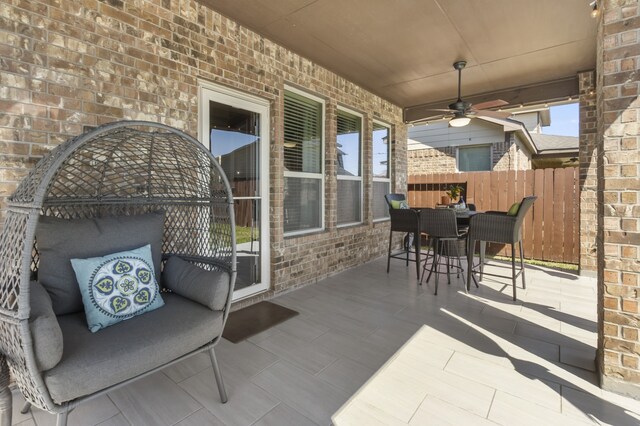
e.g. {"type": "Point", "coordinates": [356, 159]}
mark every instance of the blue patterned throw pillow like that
{"type": "Point", "coordinates": [117, 286]}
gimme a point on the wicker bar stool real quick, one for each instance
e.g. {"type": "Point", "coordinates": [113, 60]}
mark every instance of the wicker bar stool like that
{"type": "Point", "coordinates": [499, 227]}
{"type": "Point", "coordinates": [406, 220]}
{"type": "Point", "coordinates": [446, 241]}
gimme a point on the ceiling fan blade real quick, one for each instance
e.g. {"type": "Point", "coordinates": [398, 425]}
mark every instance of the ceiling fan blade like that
{"type": "Point", "coordinates": [432, 118]}
{"type": "Point", "coordinates": [492, 114]}
{"type": "Point", "coordinates": [490, 104]}
{"type": "Point", "coordinates": [441, 109]}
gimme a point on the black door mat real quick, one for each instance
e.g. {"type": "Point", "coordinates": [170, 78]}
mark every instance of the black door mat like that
{"type": "Point", "coordinates": [255, 319]}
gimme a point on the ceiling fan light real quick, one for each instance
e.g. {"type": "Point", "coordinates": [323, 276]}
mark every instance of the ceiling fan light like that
{"type": "Point", "coordinates": [459, 121]}
{"type": "Point", "coordinates": [594, 9]}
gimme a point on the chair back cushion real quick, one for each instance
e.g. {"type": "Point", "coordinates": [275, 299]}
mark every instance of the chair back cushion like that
{"type": "Point", "coordinates": [117, 287]}
{"type": "Point", "coordinates": [402, 204]}
{"type": "Point", "coordinates": [390, 198]}
{"type": "Point", "coordinates": [45, 330]}
{"type": "Point", "coordinates": [513, 210]}
{"type": "Point", "coordinates": [60, 240]}
{"type": "Point", "coordinates": [209, 288]}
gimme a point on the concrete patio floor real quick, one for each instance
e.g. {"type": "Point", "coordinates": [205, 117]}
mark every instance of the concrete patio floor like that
{"type": "Point", "coordinates": [492, 360]}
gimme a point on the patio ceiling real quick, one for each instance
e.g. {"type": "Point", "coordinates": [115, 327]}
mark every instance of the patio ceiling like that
{"type": "Point", "coordinates": [403, 50]}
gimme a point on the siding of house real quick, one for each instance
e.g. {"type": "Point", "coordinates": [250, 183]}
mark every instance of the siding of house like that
{"type": "Point", "coordinates": [67, 65]}
{"type": "Point", "coordinates": [531, 120]}
{"type": "Point", "coordinates": [433, 148]}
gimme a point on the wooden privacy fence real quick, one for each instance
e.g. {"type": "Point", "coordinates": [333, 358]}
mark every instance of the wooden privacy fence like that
{"type": "Point", "coordinates": [551, 229]}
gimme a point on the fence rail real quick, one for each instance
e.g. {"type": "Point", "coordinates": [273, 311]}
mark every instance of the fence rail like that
{"type": "Point", "coordinates": [551, 230]}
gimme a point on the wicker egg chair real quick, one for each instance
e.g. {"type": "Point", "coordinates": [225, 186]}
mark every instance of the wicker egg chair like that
{"type": "Point", "coordinates": [119, 169]}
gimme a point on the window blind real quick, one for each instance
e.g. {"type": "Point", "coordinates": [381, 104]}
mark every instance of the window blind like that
{"type": "Point", "coordinates": [303, 149]}
{"type": "Point", "coordinates": [302, 134]}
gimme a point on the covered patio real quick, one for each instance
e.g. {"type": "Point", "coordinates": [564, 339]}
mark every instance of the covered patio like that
{"type": "Point", "coordinates": [489, 360]}
{"type": "Point", "coordinates": [551, 357]}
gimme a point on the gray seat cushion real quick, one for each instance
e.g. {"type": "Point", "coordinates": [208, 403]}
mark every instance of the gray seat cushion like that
{"type": "Point", "coordinates": [44, 327]}
{"type": "Point", "coordinates": [209, 288]}
{"type": "Point", "coordinates": [61, 240]}
{"type": "Point", "coordinates": [94, 361]}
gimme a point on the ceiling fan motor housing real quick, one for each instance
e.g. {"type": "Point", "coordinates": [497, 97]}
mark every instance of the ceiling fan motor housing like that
{"type": "Point", "coordinates": [460, 105]}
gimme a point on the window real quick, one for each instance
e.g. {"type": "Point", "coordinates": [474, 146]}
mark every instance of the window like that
{"type": "Point", "coordinates": [381, 174]}
{"type": "Point", "coordinates": [349, 165]}
{"type": "Point", "coordinates": [474, 158]}
{"type": "Point", "coordinates": [303, 162]}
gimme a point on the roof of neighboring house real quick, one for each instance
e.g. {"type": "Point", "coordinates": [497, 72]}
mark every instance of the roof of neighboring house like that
{"type": "Point", "coordinates": [555, 144]}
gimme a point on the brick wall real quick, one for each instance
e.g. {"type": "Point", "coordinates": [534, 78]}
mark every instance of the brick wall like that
{"type": "Point", "coordinates": [588, 154]}
{"type": "Point", "coordinates": [66, 65]}
{"type": "Point", "coordinates": [502, 156]}
{"type": "Point", "coordinates": [510, 154]}
{"type": "Point", "coordinates": [431, 160]}
{"type": "Point", "coordinates": [618, 147]}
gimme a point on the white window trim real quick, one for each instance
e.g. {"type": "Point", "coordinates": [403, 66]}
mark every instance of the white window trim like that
{"type": "Point", "coordinates": [389, 165]}
{"type": "Point", "coordinates": [361, 171]}
{"type": "Point", "coordinates": [320, 175]}
{"type": "Point", "coordinates": [490, 145]}
{"type": "Point", "coordinates": [349, 177]}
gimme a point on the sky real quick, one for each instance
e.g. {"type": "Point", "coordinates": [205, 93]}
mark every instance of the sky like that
{"type": "Point", "coordinates": [564, 120]}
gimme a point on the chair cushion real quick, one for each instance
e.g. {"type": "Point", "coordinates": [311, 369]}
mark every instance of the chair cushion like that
{"type": "Point", "coordinates": [117, 287]}
{"type": "Point", "coordinates": [399, 204]}
{"type": "Point", "coordinates": [209, 288]}
{"type": "Point", "coordinates": [44, 327]}
{"type": "Point", "coordinates": [61, 240]}
{"type": "Point", "coordinates": [513, 210]}
{"type": "Point", "coordinates": [95, 361]}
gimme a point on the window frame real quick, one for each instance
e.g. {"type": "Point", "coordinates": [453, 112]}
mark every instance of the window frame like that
{"type": "Point", "coordinates": [361, 171]}
{"type": "Point", "coordinates": [389, 168]}
{"type": "Point", "coordinates": [490, 146]}
{"type": "Point", "coordinates": [307, 175]}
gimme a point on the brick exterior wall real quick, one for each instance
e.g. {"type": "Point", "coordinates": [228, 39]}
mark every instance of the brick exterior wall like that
{"type": "Point", "coordinates": [431, 160]}
{"type": "Point", "coordinates": [70, 64]}
{"type": "Point", "coordinates": [588, 155]}
{"type": "Point", "coordinates": [618, 147]}
{"type": "Point", "coordinates": [510, 154]}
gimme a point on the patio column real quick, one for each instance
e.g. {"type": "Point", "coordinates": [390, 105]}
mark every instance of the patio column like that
{"type": "Point", "coordinates": [588, 173]}
{"type": "Point", "coordinates": [618, 186]}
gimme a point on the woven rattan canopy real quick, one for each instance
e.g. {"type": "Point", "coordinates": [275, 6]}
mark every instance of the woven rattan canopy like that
{"type": "Point", "coordinates": [123, 168]}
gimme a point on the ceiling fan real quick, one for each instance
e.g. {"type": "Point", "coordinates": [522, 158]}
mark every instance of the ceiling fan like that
{"type": "Point", "coordinates": [462, 111]}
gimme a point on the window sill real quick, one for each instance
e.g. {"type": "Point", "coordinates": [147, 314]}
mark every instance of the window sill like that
{"type": "Point", "coordinates": [306, 233]}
